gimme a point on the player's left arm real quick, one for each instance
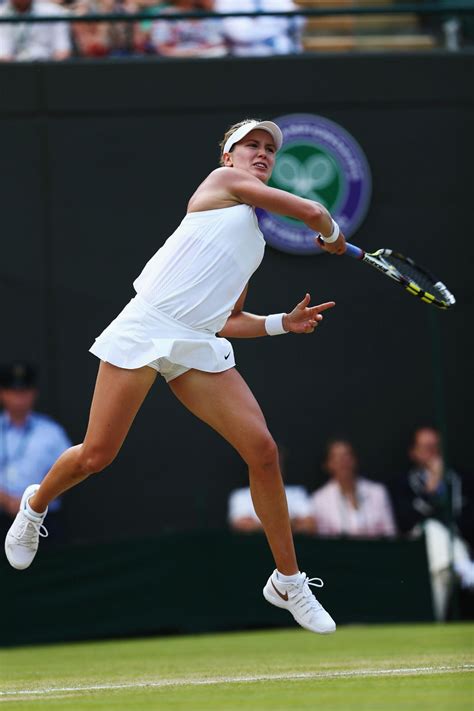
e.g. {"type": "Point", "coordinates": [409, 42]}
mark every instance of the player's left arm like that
{"type": "Point", "coordinates": [302, 319]}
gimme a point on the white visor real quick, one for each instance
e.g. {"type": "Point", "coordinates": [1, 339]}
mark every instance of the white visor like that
{"type": "Point", "coordinates": [269, 126]}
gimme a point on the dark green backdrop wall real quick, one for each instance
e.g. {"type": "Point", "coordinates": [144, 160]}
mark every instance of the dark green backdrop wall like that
{"type": "Point", "coordinates": [97, 163]}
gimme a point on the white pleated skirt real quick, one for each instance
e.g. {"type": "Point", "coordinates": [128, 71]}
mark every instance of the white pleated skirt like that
{"type": "Point", "coordinates": [142, 335]}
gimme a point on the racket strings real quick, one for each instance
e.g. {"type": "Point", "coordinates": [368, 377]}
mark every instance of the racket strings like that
{"type": "Point", "coordinates": [410, 271]}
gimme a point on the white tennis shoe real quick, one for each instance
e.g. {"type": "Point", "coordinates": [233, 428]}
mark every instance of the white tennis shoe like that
{"type": "Point", "coordinates": [23, 537]}
{"type": "Point", "coordinates": [298, 599]}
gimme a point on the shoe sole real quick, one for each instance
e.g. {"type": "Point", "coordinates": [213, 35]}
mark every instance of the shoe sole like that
{"type": "Point", "coordinates": [12, 563]}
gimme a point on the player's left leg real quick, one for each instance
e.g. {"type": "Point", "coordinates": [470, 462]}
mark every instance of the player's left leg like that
{"type": "Point", "coordinates": [225, 402]}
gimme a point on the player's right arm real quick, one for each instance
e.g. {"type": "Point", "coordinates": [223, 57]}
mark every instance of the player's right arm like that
{"type": "Point", "coordinates": [247, 189]}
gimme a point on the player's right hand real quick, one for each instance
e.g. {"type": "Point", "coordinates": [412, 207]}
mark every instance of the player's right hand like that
{"type": "Point", "coordinates": [337, 247]}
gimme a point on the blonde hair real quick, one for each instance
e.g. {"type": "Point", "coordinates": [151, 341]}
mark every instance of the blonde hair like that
{"type": "Point", "coordinates": [232, 129]}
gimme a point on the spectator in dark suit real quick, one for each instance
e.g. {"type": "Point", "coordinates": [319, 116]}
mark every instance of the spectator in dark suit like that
{"type": "Point", "coordinates": [438, 501]}
{"type": "Point", "coordinates": [431, 491]}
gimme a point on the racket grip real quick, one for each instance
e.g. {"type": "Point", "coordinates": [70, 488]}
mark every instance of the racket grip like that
{"type": "Point", "coordinates": [353, 251]}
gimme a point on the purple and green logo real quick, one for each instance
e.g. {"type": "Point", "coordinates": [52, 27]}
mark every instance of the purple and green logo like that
{"type": "Point", "coordinates": [321, 161]}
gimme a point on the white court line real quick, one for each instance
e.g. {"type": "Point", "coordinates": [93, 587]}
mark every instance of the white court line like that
{"type": "Point", "coordinates": [7, 695]}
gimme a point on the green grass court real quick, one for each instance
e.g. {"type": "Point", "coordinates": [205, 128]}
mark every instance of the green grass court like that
{"type": "Point", "coordinates": [359, 668]}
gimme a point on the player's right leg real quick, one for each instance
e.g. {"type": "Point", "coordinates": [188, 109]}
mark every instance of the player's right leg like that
{"type": "Point", "coordinates": [117, 398]}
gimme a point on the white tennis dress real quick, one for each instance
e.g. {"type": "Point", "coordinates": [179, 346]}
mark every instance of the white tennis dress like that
{"type": "Point", "coordinates": [185, 294]}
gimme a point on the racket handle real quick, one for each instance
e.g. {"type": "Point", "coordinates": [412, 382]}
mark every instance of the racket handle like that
{"type": "Point", "coordinates": [353, 251]}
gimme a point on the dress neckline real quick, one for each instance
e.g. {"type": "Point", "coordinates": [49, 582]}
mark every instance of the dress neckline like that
{"type": "Point", "coordinates": [217, 209]}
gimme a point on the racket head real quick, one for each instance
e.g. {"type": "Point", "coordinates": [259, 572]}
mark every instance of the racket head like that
{"type": "Point", "coordinates": [417, 280]}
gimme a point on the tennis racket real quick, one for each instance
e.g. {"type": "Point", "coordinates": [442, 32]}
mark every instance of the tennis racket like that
{"type": "Point", "coordinates": [415, 279]}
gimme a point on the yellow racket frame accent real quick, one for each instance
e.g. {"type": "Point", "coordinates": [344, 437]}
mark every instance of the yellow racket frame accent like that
{"type": "Point", "coordinates": [425, 296]}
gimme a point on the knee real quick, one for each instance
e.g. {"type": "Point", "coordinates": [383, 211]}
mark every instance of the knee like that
{"type": "Point", "coordinates": [94, 459]}
{"type": "Point", "coordinates": [264, 452]}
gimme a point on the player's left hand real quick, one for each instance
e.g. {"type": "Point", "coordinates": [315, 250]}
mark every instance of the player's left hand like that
{"type": "Point", "coordinates": [305, 318]}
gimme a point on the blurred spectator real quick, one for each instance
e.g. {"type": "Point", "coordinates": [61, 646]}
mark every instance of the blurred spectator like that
{"type": "Point", "coordinates": [349, 505]}
{"type": "Point", "coordinates": [188, 38]}
{"type": "Point", "coordinates": [438, 501]}
{"type": "Point", "coordinates": [260, 36]}
{"type": "Point", "coordinates": [29, 443]}
{"type": "Point", "coordinates": [142, 31]}
{"type": "Point", "coordinates": [242, 516]}
{"type": "Point", "coordinates": [102, 39]}
{"type": "Point", "coordinates": [428, 491]}
{"type": "Point", "coordinates": [33, 41]}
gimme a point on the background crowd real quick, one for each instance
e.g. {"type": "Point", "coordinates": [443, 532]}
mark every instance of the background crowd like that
{"type": "Point", "coordinates": [428, 499]}
{"type": "Point", "coordinates": [207, 37]}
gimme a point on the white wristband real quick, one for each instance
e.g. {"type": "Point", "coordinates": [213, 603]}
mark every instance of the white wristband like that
{"type": "Point", "coordinates": [274, 325]}
{"type": "Point", "coordinates": [334, 234]}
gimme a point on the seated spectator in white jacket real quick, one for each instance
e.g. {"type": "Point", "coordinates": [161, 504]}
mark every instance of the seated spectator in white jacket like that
{"type": "Point", "coordinates": [260, 36]}
{"type": "Point", "coordinates": [33, 41]}
{"type": "Point", "coordinates": [242, 516]}
{"type": "Point", "coordinates": [350, 505]}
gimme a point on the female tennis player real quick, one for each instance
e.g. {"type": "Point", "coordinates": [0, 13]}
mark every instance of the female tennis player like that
{"type": "Point", "coordinates": [189, 299]}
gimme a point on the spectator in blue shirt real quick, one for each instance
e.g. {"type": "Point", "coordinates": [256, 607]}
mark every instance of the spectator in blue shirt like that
{"type": "Point", "coordinates": [29, 442]}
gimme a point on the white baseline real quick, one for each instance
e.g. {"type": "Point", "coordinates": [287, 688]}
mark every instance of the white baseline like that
{"type": "Point", "coordinates": [345, 674]}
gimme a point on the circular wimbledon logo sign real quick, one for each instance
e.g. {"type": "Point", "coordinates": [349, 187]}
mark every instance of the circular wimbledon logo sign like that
{"type": "Point", "coordinates": [319, 161]}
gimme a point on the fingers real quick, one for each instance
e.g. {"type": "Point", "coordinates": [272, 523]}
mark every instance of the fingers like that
{"type": "Point", "coordinates": [311, 325]}
{"type": "Point", "coordinates": [324, 307]}
{"type": "Point", "coordinates": [303, 304]}
{"type": "Point", "coordinates": [304, 319]}
{"type": "Point", "coordinates": [315, 309]}
{"type": "Point", "coordinates": [337, 247]}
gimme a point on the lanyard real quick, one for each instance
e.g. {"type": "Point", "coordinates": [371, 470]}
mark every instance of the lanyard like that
{"type": "Point", "coordinates": [345, 511]}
